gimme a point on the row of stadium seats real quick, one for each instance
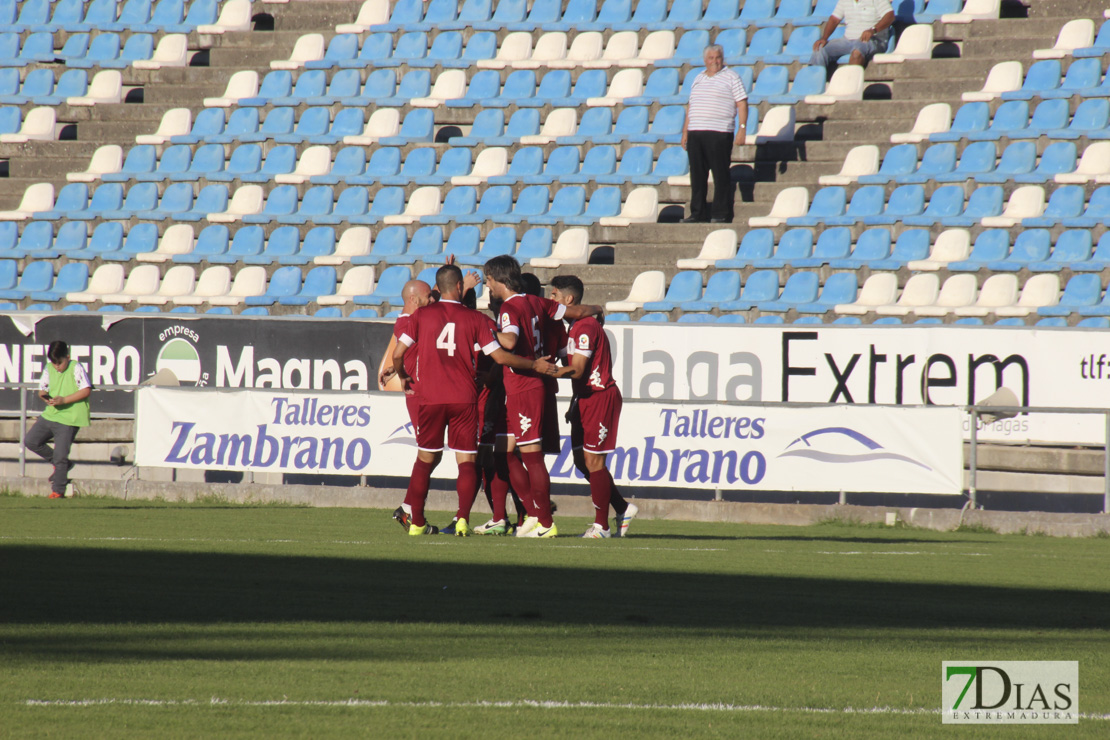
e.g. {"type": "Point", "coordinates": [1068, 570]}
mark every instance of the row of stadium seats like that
{"type": "Point", "coordinates": [910, 205]}
{"type": "Point", "coordinates": [564, 164]}
{"type": "Point", "coordinates": [550, 15]}
{"type": "Point", "coordinates": [516, 50]}
{"type": "Point", "coordinates": [106, 51]}
{"type": "Point", "coordinates": [1045, 79]}
{"type": "Point", "coordinates": [74, 16]}
{"type": "Point", "coordinates": [571, 205]}
{"type": "Point", "coordinates": [386, 127]}
{"type": "Point", "coordinates": [924, 294]}
{"type": "Point", "coordinates": [522, 88]}
{"type": "Point", "coordinates": [954, 250]}
{"type": "Point", "coordinates": [321, 245]}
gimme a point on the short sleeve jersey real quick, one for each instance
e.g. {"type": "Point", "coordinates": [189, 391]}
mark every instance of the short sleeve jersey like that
{"type": "Point", "coordinates": [448, 338]}
{"type": "Point", "coordinates": [404, 322]}
{"type": "Point", "coordinates": [586, 337]}
{"type": "Point", "coordinates": [524, 316]}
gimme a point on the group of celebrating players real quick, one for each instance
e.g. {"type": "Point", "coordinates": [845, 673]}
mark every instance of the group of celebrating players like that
{"type": "Point", "coordinates": [490, 388]}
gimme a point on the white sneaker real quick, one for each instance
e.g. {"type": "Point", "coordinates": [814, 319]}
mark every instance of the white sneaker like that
{"type": "Point", "coordinates": [530, 523]}
{"type": "Point", "coordinates": [624, 520]}
{"type": "Point", "coordinates": [595, 532]}
{"type": "Point", "coordinates": [493, 526]}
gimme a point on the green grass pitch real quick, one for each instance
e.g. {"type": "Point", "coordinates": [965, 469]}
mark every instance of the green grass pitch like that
{"type": "Point", "coordinates": [148, 619]}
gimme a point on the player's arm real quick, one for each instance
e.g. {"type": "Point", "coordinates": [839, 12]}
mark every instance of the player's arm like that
{"type": "Point", "coordinates": [582, 310]}
{"type": "Point", "coordinates": [540, 365]}
{"type": "Point", "coordinates": [575, 368]}
{"type": "Point", "coordinates": [399, 362]}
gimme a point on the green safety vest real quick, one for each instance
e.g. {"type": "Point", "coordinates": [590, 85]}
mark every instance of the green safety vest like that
{"type": "Point", "coordinates": [65, 384]}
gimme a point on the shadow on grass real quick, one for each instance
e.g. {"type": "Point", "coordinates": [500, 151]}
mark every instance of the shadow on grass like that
{"type": "Point", "coordinates": [48, 585]}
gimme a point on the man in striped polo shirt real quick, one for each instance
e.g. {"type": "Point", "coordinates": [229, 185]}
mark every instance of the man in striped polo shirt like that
{"type": "Point", "coordinates": [866, 31]}
{"type": "Point", "coordinates": [717, 98]}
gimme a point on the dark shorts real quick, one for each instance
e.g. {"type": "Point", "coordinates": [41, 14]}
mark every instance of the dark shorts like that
{"type": "Point", "coordinates": [595, 419]}
{"type": "Point", "coordinates": [491, 415]}
{"type": "Point", "coordinates": [459, 420]}
{"type": "Point", "coordinates": [551, 441]}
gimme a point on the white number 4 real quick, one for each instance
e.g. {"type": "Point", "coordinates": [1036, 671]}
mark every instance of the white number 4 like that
{"type": "Point", "coordinates": [446, 339]}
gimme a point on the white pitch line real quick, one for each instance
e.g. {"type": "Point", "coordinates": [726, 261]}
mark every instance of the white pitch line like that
{"type": "Point", "coordinates": [517, 704]}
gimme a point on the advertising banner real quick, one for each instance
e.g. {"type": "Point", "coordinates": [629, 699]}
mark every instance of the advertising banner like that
{"type": "Point", "coordinates": [820, 364]}
{"type": "Point", "coordinates": [698, 446]}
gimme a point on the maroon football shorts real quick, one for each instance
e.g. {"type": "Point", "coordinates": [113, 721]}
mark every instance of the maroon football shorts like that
{"type": "Point", "coordinates": [459, 420]}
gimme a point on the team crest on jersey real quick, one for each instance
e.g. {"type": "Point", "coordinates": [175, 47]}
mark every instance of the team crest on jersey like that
{"type": "Point", "coordinates": [525, 423]}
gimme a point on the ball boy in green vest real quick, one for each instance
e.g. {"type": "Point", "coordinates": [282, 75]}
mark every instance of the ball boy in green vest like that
{"type": "Point", "coordinates": [65, 388]}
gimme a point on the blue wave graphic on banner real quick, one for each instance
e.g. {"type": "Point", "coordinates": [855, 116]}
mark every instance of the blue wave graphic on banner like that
{"type": "Point", "coordinates": [409, 440]}
{"type": "Point", "coordinates": [872, 450]}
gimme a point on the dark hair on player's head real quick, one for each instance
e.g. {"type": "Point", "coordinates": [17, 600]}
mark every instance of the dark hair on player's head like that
{"type": "Point", "coordinates": [569, 285]}
{"type": "Point", "coordinates": [447, 278]}
{"type": "Point", "coordinates": [57, 351]}
{"type": "Point", "coordinates": [532, 284]}
{"type": "Point", "coordinates": [506, 270]}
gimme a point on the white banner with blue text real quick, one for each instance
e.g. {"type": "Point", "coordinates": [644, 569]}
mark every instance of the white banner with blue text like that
{"type": "Point", "coordinates": [678, 445]}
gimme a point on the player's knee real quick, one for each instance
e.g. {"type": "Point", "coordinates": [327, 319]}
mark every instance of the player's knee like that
{"type": "Point", "coordinates": [594, 462]}
{"type": "Point", "coordinates": [855, 58]}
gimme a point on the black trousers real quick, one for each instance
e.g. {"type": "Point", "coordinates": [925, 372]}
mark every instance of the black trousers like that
{"type": "Point", "coordinates": [710, 151]}
{"type": "Point", "coordinates": [37, 440]}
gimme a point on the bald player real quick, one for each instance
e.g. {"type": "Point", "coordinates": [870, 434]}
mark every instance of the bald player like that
{"type": "Point", "coordinates": [416, 294]}
{"type": "Point", "coordinates": [447, 338]}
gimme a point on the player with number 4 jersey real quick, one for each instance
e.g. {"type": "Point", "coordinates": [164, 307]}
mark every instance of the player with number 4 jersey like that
{"type": "Point", "coordinates": [448, 338]}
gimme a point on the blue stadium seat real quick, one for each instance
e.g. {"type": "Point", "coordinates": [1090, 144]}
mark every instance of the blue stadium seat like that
{"type": "Point", "coordinates": [285, 282]}
{"type": "Point", "coordinates": [605, 201]}
{"type": "Point", "coordinates": [867, 206]}
{"type": "Point", "coordinates": [827, 202]}
{"type": "Point", "coordinates": [561, 162]}
{"type": "Point", "coordinates": [496, 201]}
{"type": "Point", "coordinates": [1080, 292]}
{"type": "Point", "coordinates": [211, 242]}
{"type": "Point", "coordinates": [899, 161]}
{"type": "Point", "coordinates": [1043, 76]}
{"type": "Point", "coordinates": [794, 244]}
{"type": "Point", "coordinates": [1091, 119]}
{"type": "Point", "coordinates": [135, 13]}
{"type": "Point", "coordinates": [342, 48]}
{"type": "Point", "coordinates": [1083, 75]}
{"type": "Point", "coordinates": [721, 287]}
{"type": "Point", "coordinates": [138, 46]}
{"type": "Point", "coordinates": [417, 128]}
{"type": "Point", "coordinates": [970, 118]}
{"type": "Point", "coordinates": [672, 162]}
{"type": "Point", "coordinates": [832, 244]}
{"type": "Point", "coordinates": [760, 286]}
{"type": "Point", "coordinates": [1031, 245]}
{"type": "Point", "coordinates": [485, 84]}
{"type": "Point", "coordinates": [800, 288]}
{"type": "Point", "coordinates": [1065, 202]}
{"type": "Point", "coordinates": [280, 160]}
{"type": "Point", "coordinates": [599, 161]}
{"type": "Point", "coordinates": [1057, 158]}
{"type": "Point", "coordinates": [871, 246]}
{"type": "Point", "coordinates": [383, 162]}
{"type": "Point", "coordinates": [906, 201]}
{"type": "Point", "coordinates": [388, 288]}
{"type": "Point", "coordinates": [684, 286]}
{"type": "Point", "coordinates": [976, 161]}
{"type": "Point", "coordinates": [636, 161]}
{"type": "Point", "coordinates": [420, 161]}
{"type": "Point", "coordinates": [840, 287]}
{"type": "Point", "coordinates": [1073, 247]}
{"type": "Point", "coordinates": [527, 161]}
{"type": "Point", "coordinates": [412, 45]}
{"type": "Point", "coordinates": [756, 244]}
{"type": "Point", "coordinates": [106, 238]}
{"type": "Point", "coordinates": [991, 246]}
{"type": "Point", "coordinates": [596, 126]}
{"type": "Point", "coordinates": [319, 281]}
{"type": "Point", "coordinates": [350, 163]}
{"type": "Point", "coordinates": [938, 159]}
{"type": "Point", "coordinates": [455, 162]}
{"type": "Point", "coordinates": [1096, 212]}
{"type": "Point", "coordinates": [280, 201]}
{"type": "Point", "coordinates": [212, 198]}
{"type": "Point", "coordinates": [72, 278]}
{"type": "Point", "coordinates": [376, 46]}
{"type": "Point", "coordinates": [445, 51]}
{"type": "Point", "coordinates": [248, 241]}
{"type": "Point", "coordinates": [459, 203]}
{"type": "Point", "coordinates": [389, 201]}
{"type": "Point", "coordinates": [985, 200]}
{"type": "Point", "coordinates": [691, 45]}
{"type": "Point", "coordinates": [912, 244]}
